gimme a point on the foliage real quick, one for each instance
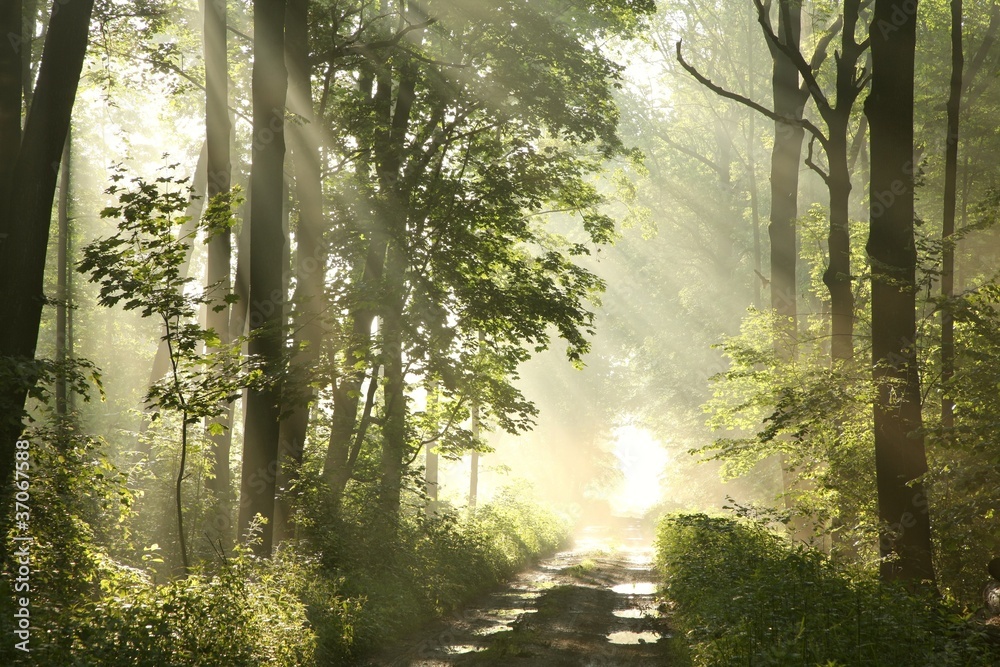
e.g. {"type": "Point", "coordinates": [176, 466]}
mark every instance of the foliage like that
{"type": "Point", "coordinates": [751, 598]}
{"type": "Point", "coordinates": [141, 265]}
{"type": "Point", "coordinates": [963, 459]}
{"type": "Point", "coordinates": [427, 566]}
{"type": "Point", "coordinates": [817, 419]}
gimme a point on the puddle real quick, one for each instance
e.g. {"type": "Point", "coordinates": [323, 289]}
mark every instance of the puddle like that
{"type": "Point", "coordinates": [458, 649]}
{"type": "Point", "coordinates": [636, 613]}
{"type": "Point", "coordinates": [640, 588]}
{"type": "Point", "coordinates": [513, 612]}
{"type": "Point", "coordinates": [628, 637]}
{"type": "Point", "coordinates": [491, 630]}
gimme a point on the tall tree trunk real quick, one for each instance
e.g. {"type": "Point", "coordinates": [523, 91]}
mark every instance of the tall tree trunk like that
{"type": "Point", "coordinates": [337, 466]}
{"type": "Point", "coordinates": [11, 84]}
{"type": "Point", "coordinates": [218, 182]}
{"type": "Point", "coordinates": [310, 256]}
{"type": "Point", "coordinates": [260, 447]}
{"type": "Point", "coordinates": [786, 156]}
{"type": "Point", "coordinates": [389, 147]}
{"type": "Point", "coordinates": [474, 472]}
{"type": "Point", "coordinates": [837, 276]}
{"type": "Point", "coordinates": [394, 444]}
{"type": "Point", "coordinates": [26, 210]}
{"type": "Point", "coordinates": [62, 288]}
{"type": "Point", "coordinates": [431, 460]}
{"type": "Point", "coordinates": [948, 219]}
{"type": "Point", "coordinates": [900, 459]}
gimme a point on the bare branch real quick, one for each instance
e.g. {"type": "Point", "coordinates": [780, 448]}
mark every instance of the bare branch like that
{"type": "Point", "coordinates": [745, 101]}
{"type": "Point", "coordinates": [812, 165]}
{"type": "Point", "coordinates": [806, 70]}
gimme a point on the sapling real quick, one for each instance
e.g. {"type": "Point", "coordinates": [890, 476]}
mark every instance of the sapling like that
{"type": "Point", "coordinates": [140, 267]}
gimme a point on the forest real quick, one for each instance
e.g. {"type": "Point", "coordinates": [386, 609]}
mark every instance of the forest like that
{"type": "Point", "coordinates": [470, 332]}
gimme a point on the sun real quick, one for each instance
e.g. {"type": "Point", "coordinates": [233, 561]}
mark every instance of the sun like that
{"type": "Point", "coordinates": [641, 460]}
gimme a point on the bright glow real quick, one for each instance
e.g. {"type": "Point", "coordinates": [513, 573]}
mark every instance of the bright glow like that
{"type": "Point", "coordinates": [641, 459]}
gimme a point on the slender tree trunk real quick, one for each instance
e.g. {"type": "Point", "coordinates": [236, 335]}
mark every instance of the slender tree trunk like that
{"type": "Point", "coordinates": [754, 214]}
{"type": "Point", "coordinates": [62, 289]}
{"type": "Point", "coordinates": [310, 256]}
{"type": "Point", "coordinates": [218, 180]}
{"type": "Point", "coordinates": [337, 466]}
{"type": "Point", "coordinates": [786, 156]}
{"type": "Point", "coordinates": [394, 444]}
{"type": "Point", "coordinates": [948, 219]}
{"type": "Point", "coordinates": [900, 459]}
{"type": "Point", "coordinates": [26, 210]}
{"type": "Point", "coordinates": [346, 397]}
{"type": "Point", "coordinates": [260, 447]}
{"type": "Point", "coordinates": [837, 276]}
{"type": "Point", "coordinates": [431, 460]}
{"type": "Point", "coordinates": [390, 147]}
{"type": "Point", "coordinates": [474, 472]}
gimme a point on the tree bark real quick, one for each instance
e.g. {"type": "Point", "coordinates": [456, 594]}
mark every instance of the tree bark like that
{"type": "Point", "coordinates": [389, 148]}
{"type": "Point", "coordinates": [11, 84]}
{"type": "Point", "coordinates": [786, 156]}
{"type": "Point", "coordinates": [900, 458]}
{"type": "Point", "coordinates": [474, 472]}
{"type": "Point", "coordinates": [394, 444]}
{"type": "Point", "coordinates": [837, 276]}
{"type": "Point", "coordinates": [948, 218]}
{"type": "Point", "coordinates": [25, 217]}
{"type": "Point", "coordinates": [260, 448]}
{"type": "Point", "coordinates": [218, 181]}
{"type": "Point", "coordinates": [62, 288]}
{"type": "Point", "coordinates": [310, 257]}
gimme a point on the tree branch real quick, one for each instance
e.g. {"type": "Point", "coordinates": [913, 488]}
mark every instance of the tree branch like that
{"type": "Point", "coordinates": [815, 167]}
{"type": "Point", "coordinates": [806, 70]}
{"type": "Point", "coordinates": [722, 92]}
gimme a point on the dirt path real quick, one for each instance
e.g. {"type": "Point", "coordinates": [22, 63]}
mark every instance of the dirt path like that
{"type": "Point", "coordinates": [594, 605]}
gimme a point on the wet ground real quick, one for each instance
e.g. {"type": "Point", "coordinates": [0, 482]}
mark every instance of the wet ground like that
{"type": "Point", "coordinates": [594, 605]}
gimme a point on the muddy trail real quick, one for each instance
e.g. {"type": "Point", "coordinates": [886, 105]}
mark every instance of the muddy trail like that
{"type": "Point", "coordinates": [594, 605]}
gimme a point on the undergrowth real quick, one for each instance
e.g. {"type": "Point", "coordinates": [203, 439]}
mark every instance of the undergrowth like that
{"type": "Point", "coordinates": [745, 596]}
{"type": "Point", "coordinates": [346, 587]}
{"type": "Point", "coordinates": [425, 567]}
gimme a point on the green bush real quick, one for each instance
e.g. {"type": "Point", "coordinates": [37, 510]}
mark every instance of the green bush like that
{"type": "Point", "coordinates": [745, 596]}
{"type": "Point", "coordinates": [425, 567]}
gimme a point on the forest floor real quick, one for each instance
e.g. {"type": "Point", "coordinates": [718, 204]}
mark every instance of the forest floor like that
{"type": "Point", "coordinates": [594, 605]}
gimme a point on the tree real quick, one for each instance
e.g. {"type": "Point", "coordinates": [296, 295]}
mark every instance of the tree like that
{"type": "Point", "coordinates": [900, 458]}
{"type": "Point", "coordinates": [310, 257]}
{"type": "Point", "coordinates": [267, 241]}
{"type": "Point", "coordinates": [850, 82]}
{"type": "Point", "coordinates": [218, 183]}
{"type": "Point", "coordinates": [789, 102]}
{"type": "Point", "coordinates": [140, 266]}
{"type": "Point", "coordinates": [26, 208]}
{"type": "Point", "coordinates": [439, 232]}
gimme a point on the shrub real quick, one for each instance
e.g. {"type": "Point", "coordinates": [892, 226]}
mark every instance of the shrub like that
{"type": "Point", "coordinates": [744, 595]}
